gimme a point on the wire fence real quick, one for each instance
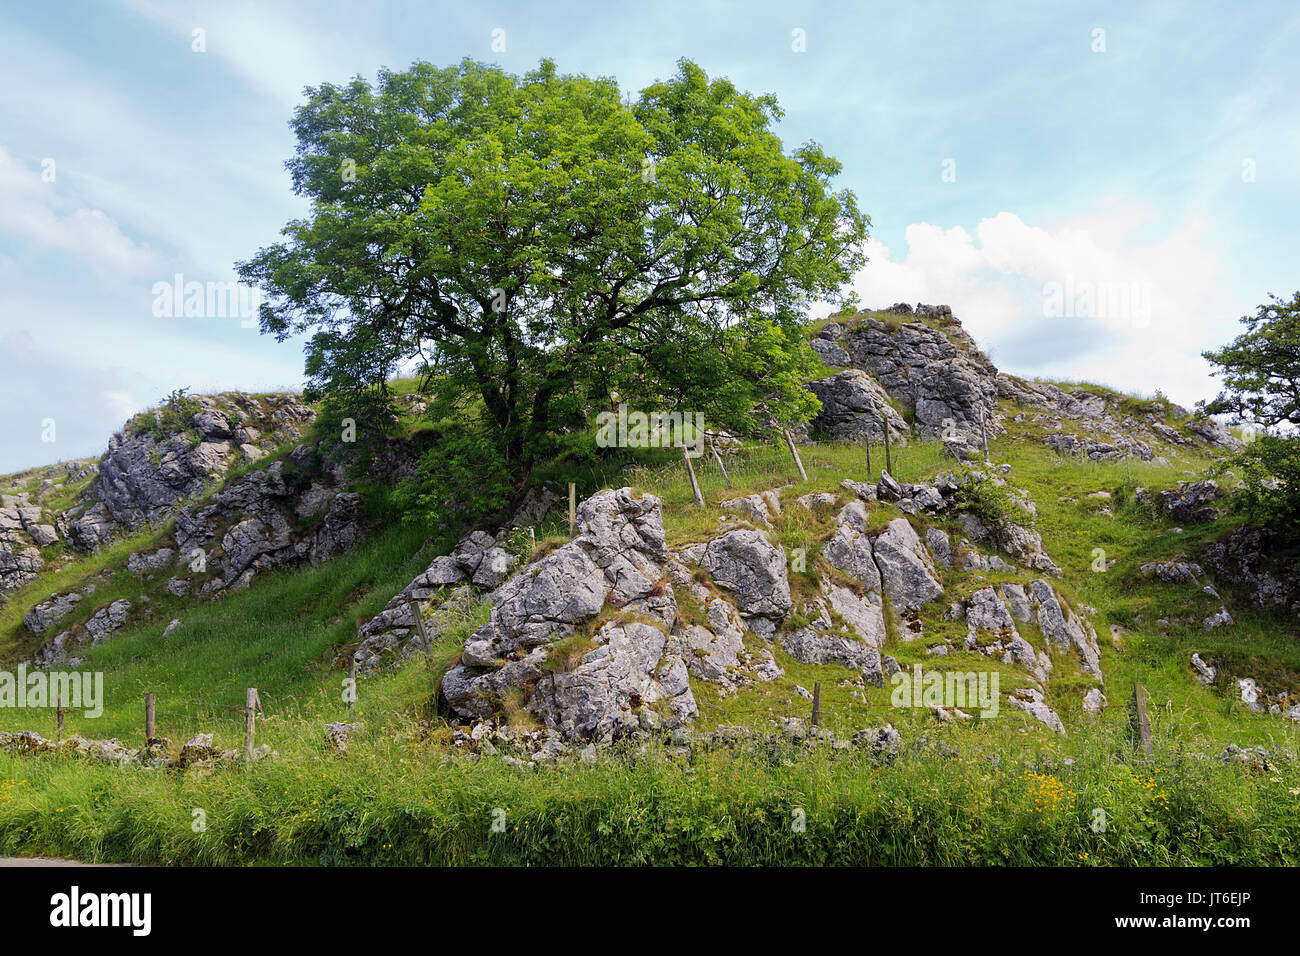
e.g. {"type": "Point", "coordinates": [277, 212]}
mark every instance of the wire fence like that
{"type": "Point", "coordinates": [720, 470]}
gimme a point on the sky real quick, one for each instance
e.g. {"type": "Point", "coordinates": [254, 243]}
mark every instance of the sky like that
{"type": "Point", "coordinates": [1098, 190]}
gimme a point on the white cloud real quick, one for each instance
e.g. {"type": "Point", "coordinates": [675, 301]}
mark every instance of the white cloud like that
{"type": "Point", "coordinates": [1096, 298]}
{"type": "Point", "coordinates": [37, 213]}
{"type": "Point", "coordinates": [278, 50]}
{"type": "Point", "coordinates": [121, 404]}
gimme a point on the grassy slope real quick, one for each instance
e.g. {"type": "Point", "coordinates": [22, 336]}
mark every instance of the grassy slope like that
{"type": "Point", "coordinates": [1008, 797]}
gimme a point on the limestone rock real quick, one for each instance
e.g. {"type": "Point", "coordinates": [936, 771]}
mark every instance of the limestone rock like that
{"type": "Point", "coordinates": [850, 550]}
{"type": "Point", "coordinates": [906, 571]}
{"type": "Point", "coordinates": [1064, 629]}
{"type": "Point", "coordinates": [45, 615]}
{"type": "Point", "coordinates": [753, 570]}
{"type": "Point", "coordinates": [1031, 701]}
{"type": "Point", "coordinates": [855, 407]}
{"type": "Point", "coordinates": [612, 690]}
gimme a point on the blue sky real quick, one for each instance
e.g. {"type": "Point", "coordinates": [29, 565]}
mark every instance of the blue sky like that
{"type": "Point", "coordinates": [1097, 206]}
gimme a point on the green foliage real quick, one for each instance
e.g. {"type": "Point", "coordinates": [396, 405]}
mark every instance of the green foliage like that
{"type": "Point", "coordinates": [994, 504]}
{"type": "Point", "coordinates": [1261, 367]}
{"type": "Point", "coordinates": [464, 477]}
{"type": "Point", "coordinates": [1261, 376]}
{"type": "Point", "coordinates": [174, 415]}
{"type": "Point", "coordinates": [1269, 471]}
{"type": "Point", "coordinates": [538, 241]}
{"type": "Point", "coordinates": [394, 803]}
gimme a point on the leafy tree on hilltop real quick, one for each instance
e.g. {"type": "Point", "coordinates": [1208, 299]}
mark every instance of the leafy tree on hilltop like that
{"type": "Point", "coordinates": [1261, 375]}
{"type": "Point", "coordinates": [539, 241]}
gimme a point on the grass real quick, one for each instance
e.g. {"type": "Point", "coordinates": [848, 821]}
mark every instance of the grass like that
{"type": "Point", "coordinates": [397, 799]}
{"type": "Point", "coordinates": [996, 791]}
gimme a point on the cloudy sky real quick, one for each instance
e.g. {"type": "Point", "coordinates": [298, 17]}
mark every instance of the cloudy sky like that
{"type": "Point", "coordinates": [1099, 190]}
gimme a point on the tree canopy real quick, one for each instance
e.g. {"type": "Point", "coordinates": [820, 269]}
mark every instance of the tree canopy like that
{"type": "Point", "coordinates": [539, 241]}
{"type": "Point", "coordinates": [1261, 367]}
{"type": "Point", "coordinates": [1261, 376]}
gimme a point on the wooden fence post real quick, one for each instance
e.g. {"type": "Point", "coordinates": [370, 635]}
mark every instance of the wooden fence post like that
{"type": "Point", "coordinates": [868, 458]}
{"type": "Point", "coordinates": [58, 720]}
{"type": "Point", "coordinates": [690, 472]}
{"type": "Point", "coordinates": [1143, 722]}
{"type": "Point", "coordinates": [250, 717]}
{"type": "Point", "coordinates": [149, 715]}
{"type": "Point", "coordinates": [573, 510]}
{"type": "Point", "coordinates": [889, 461]}
{"type": "Point", "coordinates": [418, 613]}
{"type": "Point", "coordinates": [721, 467]}
{"type": "Point", "coordinates": [789, 441]}
{"type": "Point", "coordinates": [817, 704]}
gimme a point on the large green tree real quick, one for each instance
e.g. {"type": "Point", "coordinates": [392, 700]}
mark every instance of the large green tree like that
{"type": "Point", "coordinates": [539, 241]}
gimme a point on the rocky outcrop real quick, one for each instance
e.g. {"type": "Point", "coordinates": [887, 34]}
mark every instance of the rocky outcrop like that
{"type": "Point", "coordinates": [1172, 572]}
{"type": "Point", "coordinates": [251, 527]}
{"type": "Point", "coordinates": [631, 680]}
{"type": "Point", "coordinates": [18, 567]}
{"type": "Point", "coordinates": [1102, 426]}
{"type": "Point", "coordinates": [940, 375]}
{"type": "Point", "coordinates": [991, 630]}
{"type": "Point", "coordinates": [24, 524]}
{"type": "Point", "coordinates": [1031, 701]}
{"type": "Point", "coordinates": [762, 508]}
{"type": "Point", "coordinates": [24, 530]}
{"type": "Point", "coordinates": [1188, 502]}
{"type": "Point", "coordinates": [443, 594]}
{"type": "Point", "coordinates": [849, 549]}
{"type": "Point", "coordinates": [907, 572]}
{"type": "Point", "coordinates": [856, 408]}
{"type": "Point", "coordinates": [1064, 629]}
{"type": "Point", "coordinates": [177, 452]}
{"type": "Point", "coordinates": [716, 651]}
{"type": "Point", "coordinates": [1023, 544]}
{"type": "Point", "coordinates": [628, 675]}
{"type": "Point", "coordinates": [94, 631]}
{"type": "Point", "coordinates": [753, 570]}
{"type": "Point", "coordinates": [1253, 559]}
{"type": "Point", "coordinates": [46, 614]}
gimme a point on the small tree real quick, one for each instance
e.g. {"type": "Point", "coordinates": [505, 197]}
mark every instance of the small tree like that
{"type": "Point", "coordinates": [1261, 376]}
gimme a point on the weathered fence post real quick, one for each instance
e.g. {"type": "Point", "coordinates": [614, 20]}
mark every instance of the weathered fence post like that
{"type": "Point", "coordinates": [817, 704]}
{"type": "Point", "coordinates": [149, 715]}
{"type": "Point", "coordinates": [573, 509]}
{"type": "Point", "coordinates": [889, 461]}
{"type": "Point", "coordinates": [690, 471]}
{"type": "Point", "coordinates": [868, 443]}
{"type": "Point", "coordinates": [1143, 722]}
{"type": "Point", "coordinates": [250, 717]}
{"type": "Point", "coordinates": [58, 720]}
{"type": "Point", "coordinates": [721, 467]}
{"type": "Point", "coordinates": [789, 441]}
{"type": "Point", "coordinates": [418, 613]}
{"type": "Point", "coordinates": [984, 437]}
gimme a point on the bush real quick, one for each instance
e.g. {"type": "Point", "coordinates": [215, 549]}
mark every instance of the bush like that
{"type": "Point", "coordinates": [1269, 469]}
{"type": "Point", "coordinates": [174, 415]}
{"type": "Point", "coordinates": [983, 496]}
